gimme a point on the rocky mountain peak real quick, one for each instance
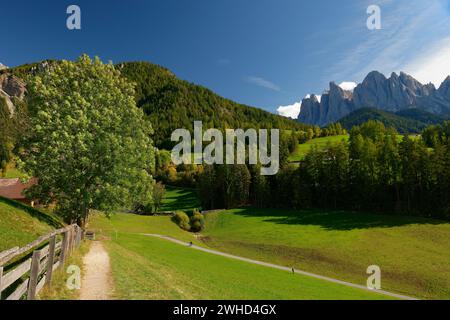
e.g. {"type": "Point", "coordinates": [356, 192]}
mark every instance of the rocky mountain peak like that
{"type": "Point", "coordinates": [313, 98]}
{"type": "Point", "coordinates": [398, 92]}
{"type": "Point", "coordinates": [444, 89]}
{"type": "Point", "coordinates": [374, 76]}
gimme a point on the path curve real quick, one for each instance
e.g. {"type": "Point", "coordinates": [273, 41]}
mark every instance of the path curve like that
{"type": "Point", "coordinates": [270, 265]}
{"type": "Point", "coordinates": [96, 283]}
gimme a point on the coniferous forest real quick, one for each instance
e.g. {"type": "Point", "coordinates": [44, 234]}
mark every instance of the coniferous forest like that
{"type": "Point", "coordinates": [373, 171]}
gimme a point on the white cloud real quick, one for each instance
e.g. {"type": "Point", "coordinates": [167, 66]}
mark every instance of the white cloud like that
{"type": "Point", "coordinates": [433, 65]}
{"type": "Point", "coordinates": [348, 86]}
{"type": "Point", "coordinates": [291, 111]}
{"type": "Point", "coordinates": [263, 83]}
{"type": "Point", "coordinates": [406, 30]}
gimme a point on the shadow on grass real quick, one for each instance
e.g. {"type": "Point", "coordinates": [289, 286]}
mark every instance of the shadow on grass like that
{"type": "Point", "coordinates": [41, 216]}
{"type": "Point", "coordinates": [333, 220]}
{"type": "Point", "coordinates": [180, 199]}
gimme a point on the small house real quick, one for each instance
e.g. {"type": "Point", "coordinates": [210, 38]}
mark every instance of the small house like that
{"type": "Point", "coordinates": [14, 189]}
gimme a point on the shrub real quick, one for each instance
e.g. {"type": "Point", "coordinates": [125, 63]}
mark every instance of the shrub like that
{"type": "Point", "coordinates": [143, 209]}
{"type": "Point", "coordinates": [182, 220]}
{"type": "Point", "coordinates": [197, 221]}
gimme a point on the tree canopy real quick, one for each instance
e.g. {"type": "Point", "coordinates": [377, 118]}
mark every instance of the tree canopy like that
{"type": "Point", "coordinates": [89, 146]}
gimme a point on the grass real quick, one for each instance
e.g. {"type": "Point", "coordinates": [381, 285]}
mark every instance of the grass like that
{"type": "Point", "coordinates": [304, 148]}
{"type": "Point", "coordinates": [59, 290]}
{"type": "Point", "coordinates": [413, 253]}
{"type": "Point", "coordinates": [149, 268]}
{"type": "Point", "coordinates": [13, 172]}
{"type": "Point", "coordinates": [179, 199]}
{"type": "Point", "coordinates": [20, 224]}
{"type": "Point", "coordinates": [133, 224]}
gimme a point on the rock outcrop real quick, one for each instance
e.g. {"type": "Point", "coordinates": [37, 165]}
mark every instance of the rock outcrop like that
{"type": "Point", "coordinates": [11, 87]}
{"type": "Point", "coordinates": [393, 94]}
{"type": "Point", "coordinates": [444, 89]}
{"type": "Point", "coordinates": [333, 104]}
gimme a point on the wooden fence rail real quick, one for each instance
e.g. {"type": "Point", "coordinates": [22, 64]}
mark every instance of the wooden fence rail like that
{"type": "Point", "coordinates": [31, 275]}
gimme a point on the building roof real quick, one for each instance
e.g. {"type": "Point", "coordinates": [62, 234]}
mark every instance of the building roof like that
{"type": "Point", "coordinates": [13, 188]}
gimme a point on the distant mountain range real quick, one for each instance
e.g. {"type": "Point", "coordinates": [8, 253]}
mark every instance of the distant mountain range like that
{"type": "Point", "coordinates": [394, 94]}
{"type": "Point", "coordinates": [405, 121]}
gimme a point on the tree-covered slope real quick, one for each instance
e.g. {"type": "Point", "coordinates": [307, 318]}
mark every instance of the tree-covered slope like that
{"type": "Point", "coordinates": [421, 115]}
{"type": "Point", "coordinates": [406, 121]}
{"type": "Point", "coordinates": [172, 103]}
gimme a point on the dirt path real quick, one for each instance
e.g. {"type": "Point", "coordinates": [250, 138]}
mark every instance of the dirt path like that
{"type": "Point", "coordinates": [96, 283]}
{"type": "Point", "coordinates": [270, 265]}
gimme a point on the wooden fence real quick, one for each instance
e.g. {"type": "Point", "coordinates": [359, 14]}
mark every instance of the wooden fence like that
{"type": "Point", "coordinates": [49, 252]}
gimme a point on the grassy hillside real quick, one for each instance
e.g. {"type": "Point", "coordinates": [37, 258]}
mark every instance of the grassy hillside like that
{"type": "Point", "coordinates": [180, 199]}
{"type": "Point", "coordinates": [303, 148]}
{"type": "Point", "coordinates": [412, 252]}
{"type": "Point", "coordinates": [148, 268]}
{"type": "Point", "coordinates": [20, 225]}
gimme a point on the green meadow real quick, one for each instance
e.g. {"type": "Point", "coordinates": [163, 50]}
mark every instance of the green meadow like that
{"type": "Point", "coordinates": [149, 268]}
{"type": "Point", "coordinates": [413, 253]}
{"type": "Point", "coordinates": [179, 199]}
{"type": "Point", "coordinates": [302, 149]}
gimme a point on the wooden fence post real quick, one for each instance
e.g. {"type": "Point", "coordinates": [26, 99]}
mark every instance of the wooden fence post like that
{"type": "Point", "coordinates": [69, 241]}
{"type": "Point", "coordinates": [72, 239]}
{"type": "Point", "coordinates": [50, 261]}
{"type": "Point", "coordinates": [34, 275]}
{"type": "Point", "coordinates": [1, 276]}
{"type": "Point", "coordinates": [64, 243]}
{"type": "Point", "coordinates": [77, 237]}
{"type": "Point", "coordinates": [80, 236]}
{"type": "Point", "coordinates": [74, 236]}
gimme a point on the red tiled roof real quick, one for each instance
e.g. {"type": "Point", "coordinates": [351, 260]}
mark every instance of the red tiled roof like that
{"type": "Point", "coordinates": [13, 188]}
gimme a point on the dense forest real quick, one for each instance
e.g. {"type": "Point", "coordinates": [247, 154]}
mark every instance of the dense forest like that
{"type": "Point", "coordinates": [172, 103]}
{"type": "Point", "coordinates": [372, 172]}
{"type": "Point", "coordinates": [406, 121]}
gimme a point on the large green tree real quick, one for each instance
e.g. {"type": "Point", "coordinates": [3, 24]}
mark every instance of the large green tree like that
{"type": "Point", "coordinates": [89, 145]}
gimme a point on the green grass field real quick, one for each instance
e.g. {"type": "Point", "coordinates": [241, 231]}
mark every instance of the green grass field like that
{"type": "Point", "coordinates": [149, 268]}
{"type": "Point", "coordinates": [133, 224]}
{"type": "Point", "coordinates": [20, 225]}
{"type": "Point", "coordinates": [413, 253]}
{"type": "Point", "coordinates": [303, 148]}
{"type": "Point", "coordinates": [179, 199]}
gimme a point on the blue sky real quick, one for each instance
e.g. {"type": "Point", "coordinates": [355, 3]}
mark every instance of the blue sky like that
{"type": "Point", "coordinates": [265, 53]}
